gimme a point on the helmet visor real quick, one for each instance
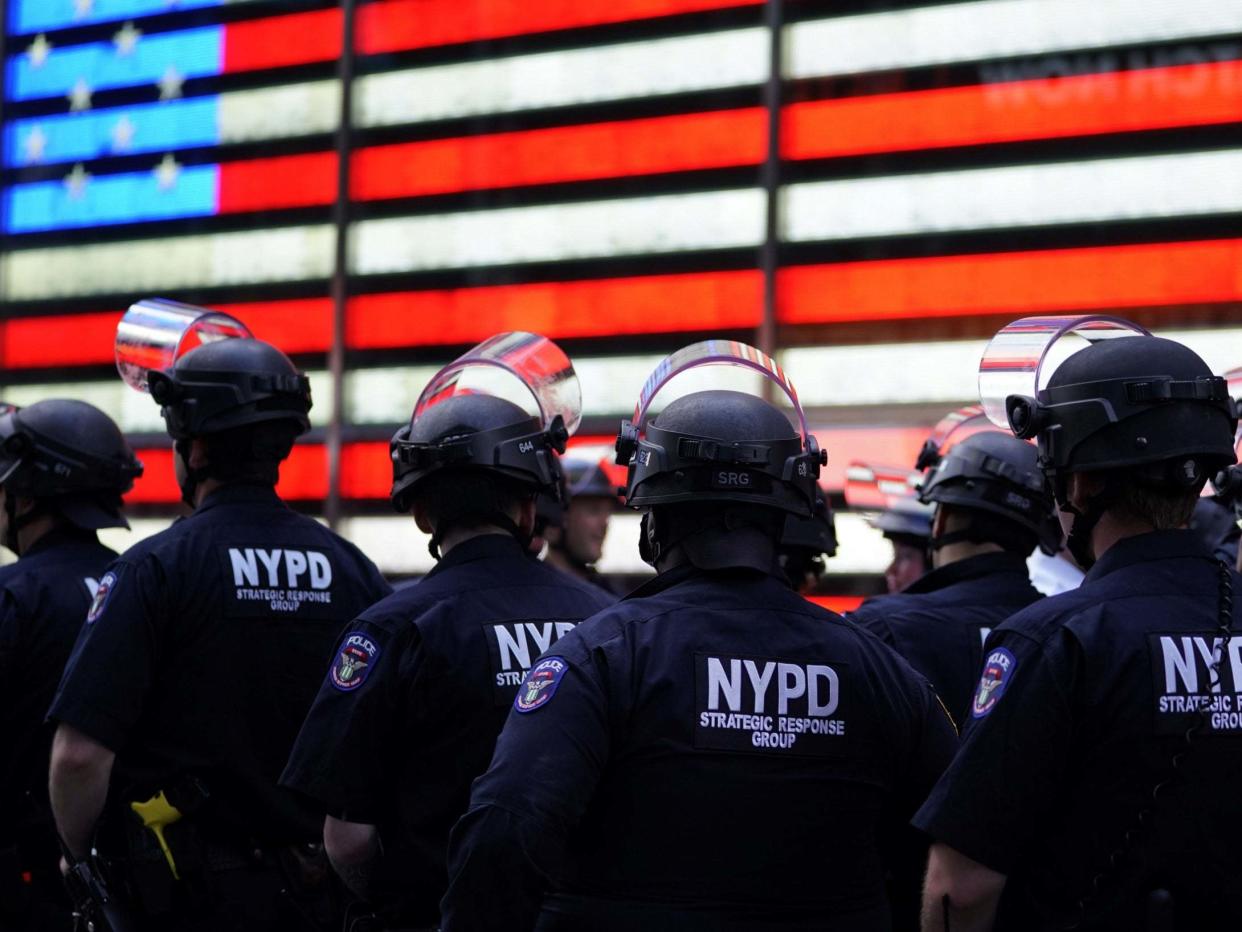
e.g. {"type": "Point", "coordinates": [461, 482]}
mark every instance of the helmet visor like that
{"type": "Point", "coordinates": [155, 333]}
{"type": "Point", "coordinates": [1022, 357]}
{"type": "Point", "coordinates": [538, 365]}
{"type": "Point", "coordinates": [717, 353]}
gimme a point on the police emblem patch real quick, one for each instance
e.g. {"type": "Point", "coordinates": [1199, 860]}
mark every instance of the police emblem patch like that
{"type": "Point", "coordinates": [353, 662]}
{"type": "Point", "coordinates": [997, 671]}
{"type": "Point", "coordinates": [102, 591]}
{"type": "Point", "coordinates": [540, 683]}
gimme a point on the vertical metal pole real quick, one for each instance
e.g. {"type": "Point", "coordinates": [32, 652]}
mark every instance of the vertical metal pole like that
{"type": "Point", "coordinates": [770, 178]}
{"type": "Point", "coordinates": [340, 270]}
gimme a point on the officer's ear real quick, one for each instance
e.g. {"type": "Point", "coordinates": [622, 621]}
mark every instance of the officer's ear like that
{"type": "Point", "coordinates": [526, 516]}
{"type": "Point", "coordinates": [419, 511]}
{"type": "Point", "coordinates": [1081, 487]}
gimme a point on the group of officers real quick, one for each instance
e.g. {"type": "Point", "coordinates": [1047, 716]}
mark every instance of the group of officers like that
{"type": "Point", "coordinates": [238, 725]}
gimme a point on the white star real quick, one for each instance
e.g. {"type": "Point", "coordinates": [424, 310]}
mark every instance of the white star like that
{"type": "Point", "coordinates": [38, 51]}
{"type": "Point", "coordinates": [170, 83]}
{"type": "Point", "coordinates": [75, 182]}
{"type": "Point", "coordinates": [123, 134]}
{"type": "Point", "coordinates": [166, 173]}
{"type": "Point", "coordinates": [82, 8]}
{"type": "Point", "coordinates": [126, 39]}
{"type": "Point", "coordinates": [35, 144]}
{"type": "Point", "coordinates": [80, 96]}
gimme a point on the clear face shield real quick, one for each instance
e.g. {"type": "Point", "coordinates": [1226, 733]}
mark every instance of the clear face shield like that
{"type": "Point", "coordinates": [1020, 360]}
{"type": "Point", "coordinates": [525, 369]}
{"type": "Point", "coordinates": [517, 367]}
{"type": "Point", "coordinates": [794, 462]}
{"type": "Point", "coordinates": [155, 333]}
{"type": "Point", "coordinates": [951, 430]}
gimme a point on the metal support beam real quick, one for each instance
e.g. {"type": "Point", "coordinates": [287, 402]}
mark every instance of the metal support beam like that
{"type": "Point", "coordinates": [770, 178]}
{"type": "Point", "coordinates": [340, 271]}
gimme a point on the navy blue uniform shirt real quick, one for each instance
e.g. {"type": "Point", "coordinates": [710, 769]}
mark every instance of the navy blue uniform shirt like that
{"type": "Point", "coordinates": [203, 650]}
{"type": "Point", "coordinates": [409, 712]}
{"type": "Point", "coordinates": [1084, 700]}
{"type": "Point", "coordinates": [43, 599]}
{"type": "Point", "coordinates": [940, 621]}
{"type": "Point", "coordinates": [713, 752]}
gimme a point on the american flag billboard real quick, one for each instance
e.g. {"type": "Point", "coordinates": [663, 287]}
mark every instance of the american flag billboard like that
{"type": "Point", "coordinates": [593, 170]}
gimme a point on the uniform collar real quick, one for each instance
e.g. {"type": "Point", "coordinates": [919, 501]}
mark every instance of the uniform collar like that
{"type": "Point", "coordinates": [686, 571]}
{"type": "Point", "coordinates": [483, 547]}
{"type": "Point", "coordinates": [976, 567]}
{"type": "Point", "coordinates": [1144, 548]}
{"type": "Point", "coordinates": [239, 493]}
{"type": "Point", "coordinates": [59, 536]}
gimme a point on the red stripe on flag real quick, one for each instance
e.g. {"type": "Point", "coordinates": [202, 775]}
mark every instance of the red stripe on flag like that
{"type": "Point", "coordinates": [1112, 102]}
{"type": "Point", "coordinates": [1018, 283]}
{"type": "Point", "coordinates": [303, 476]}
{"type": "Point", "coordinates": [272, 184]}
{"type": "Point", "coordinates": [395, 25]}
{"type": "Point", "coordinates": [607, 307]}
{"type": "Point", "coordinates": [572, 153]}
{"type": "Point", "coordinates": [278, 41]}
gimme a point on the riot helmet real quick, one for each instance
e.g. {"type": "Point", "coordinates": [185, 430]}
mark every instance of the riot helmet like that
{"type": "Point", "coordinates": [805, 542]}
{"type": "Point", "coordinates": [1227, 483]}
{"type": "Point", "coordinates": [461, 424]}
{"type": "Point", "coordinates": [717, 448]}
{"type": "Point", "coordinates": [994, 473]}
{"type": "Point", "coordinates": [215, 381]}
{"type": "Point", "coordinates": [1126, 401]}
{"type": "Point", "coordinates": [968, 463]}
{"type": "Point", "coordinates": [206, 371]}
{"type": "Point", "coordinates": [586, 477]}
{"type": "Point", "coordinates": [70, 458]}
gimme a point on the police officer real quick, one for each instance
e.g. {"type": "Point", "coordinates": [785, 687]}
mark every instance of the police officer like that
{"type": "Point", "coordinates": [199, 658]}
{"type": "Point", "coordinates": [805, 542]}
{"type": "Point", "coordinates": [991, 510]}
{"type": "Point", "coordinates": [1096, 785]}
{"type": "Point", "coordinates": [713, 752]}
{"type": "Point", "coordinates": [64, 466]}
{"type": "Point", "coordinates": [408, 715]}
{"type": "Point", "coordinates": [906, 524]}
{"type": "Point", "coordinates": [576, 542]}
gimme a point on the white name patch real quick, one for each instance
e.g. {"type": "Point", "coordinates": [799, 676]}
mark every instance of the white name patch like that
{"type": "Point", "coordinates": [278, 580]}
{"type": "Point", "coordinates": [1184, 687]}
{"type": "Point", "coordinates": [769, 705]}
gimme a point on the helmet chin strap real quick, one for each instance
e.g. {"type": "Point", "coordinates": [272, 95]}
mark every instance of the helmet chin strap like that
{"type": "Point", "coordinates": [1078, 541]}
{"type": "Point", "coordinates": [192, 475]}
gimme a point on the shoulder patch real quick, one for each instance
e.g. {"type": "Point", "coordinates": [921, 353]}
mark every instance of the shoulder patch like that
{"type": "Point", "coordinates": [102, 590]}
{"type": "Point", "coordinates": [354, 661]}
{"type": "Point", "coordinates": [540, 684]}
{"type": "Point", "coordinates": [997, 672]}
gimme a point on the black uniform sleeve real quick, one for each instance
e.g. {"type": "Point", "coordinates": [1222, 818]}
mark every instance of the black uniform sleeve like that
{"type": "Point", "coordinates": [1007, 775]}
{"type": "Point", "coordinates": [508, 847]}
{"type": "Point", "coordinates": [344, 756]}
{"type": "Point", "coordinates": [115, 658]}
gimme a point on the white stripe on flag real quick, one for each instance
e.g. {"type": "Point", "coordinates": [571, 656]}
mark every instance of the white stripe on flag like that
{"type": "Point", "coordinates": [146, 266]}
{"type": "Point", "coordinates": [278, 112]}
{"type": "Point", "coordinates": [732, 58]}
{"type": "Point", "coordinates": [960, 32]}
{"type": "Point", "coordinates": [670, 223]}
{"type": "Point", "coordinates": [1189, 184]}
